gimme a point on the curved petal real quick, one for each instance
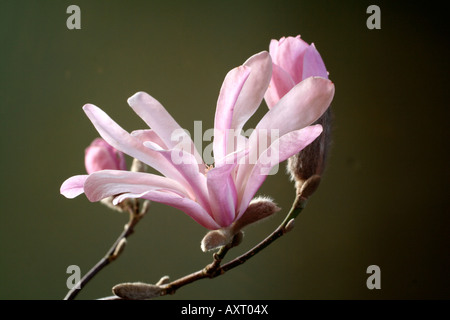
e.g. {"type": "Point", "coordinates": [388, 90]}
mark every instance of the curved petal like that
{"type": "Point", "coordinates": [289, 56]}
{"type": "Point", "coordinates": [281, 149]}
{"type": "Point", "coordinates": [158, 119]}
{"type": "Point", "coordinates": [222, 194]}
{"type": "Point", "coordinates": [123, 141]}
{"type": "Point", "coordinates": [313, 64]}
{"type": "Point", "coordinates": [300, 107]}
{"type": "Point", "coordinates": [280, 84]}
{"type": "Point", "coordinates": [253, 90]}
{"type": "Point", "coordinates": [148, 135]}
{"type": "Point", "coordinates": [222, 189]}
{"type": "Point", "coordinates": [187, 166]}
{"type": "Point", "coordinates": [74, 186]}
{"type": "Point", "coordinates": [229, 93]}
{"type": "Point", "coordinates": [274, 45]}
{"type": "Point", "coordinates": [98, 158]}
{"type": "Point", "coordinates": [188, 206]}
{"type": "Point", "coordinates": [106, 183]}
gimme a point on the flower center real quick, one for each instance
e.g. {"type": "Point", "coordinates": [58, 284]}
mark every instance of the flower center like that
{"type": "Point", "coordinates": [208, 167]}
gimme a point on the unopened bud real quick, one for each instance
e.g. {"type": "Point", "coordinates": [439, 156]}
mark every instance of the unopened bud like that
{"type": "Point", "coordinates": [237, 239]}
{"type": "Point", "coordinates": [101, 156]}
{"type": "Point", "coordinates": [136, 291]}
{"type": "Point", "coordinates": [290, 225]}
{"type": "Point", "coordinates": [311, 160]}
{"type": "Point", "coordinates": [309, 186]}
{"type": "Point", "coordinates": [216, 238]}
{"type": "Point", "coordinates": [258, 209]}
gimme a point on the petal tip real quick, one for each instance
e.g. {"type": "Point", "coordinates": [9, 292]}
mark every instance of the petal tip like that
{"type": "Point", "coordinates": [139, 96]}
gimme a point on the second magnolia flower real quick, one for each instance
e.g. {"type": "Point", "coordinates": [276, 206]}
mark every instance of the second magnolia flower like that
{"type": "Point", "coordinates": [216, 197]}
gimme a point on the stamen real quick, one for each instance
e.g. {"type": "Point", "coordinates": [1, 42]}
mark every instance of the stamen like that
{"type": "Point", "coordinates": [208, 167]}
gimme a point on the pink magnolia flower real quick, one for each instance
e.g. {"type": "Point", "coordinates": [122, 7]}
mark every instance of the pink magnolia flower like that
{"type": "Point", "coordinates": [102, 156]}
{"type": "Point", "coordinates": [99, 155]}
{"type": "Point", "coordinates": [293, 61]}
{"type": "Point", "coordinates": [213, 197]}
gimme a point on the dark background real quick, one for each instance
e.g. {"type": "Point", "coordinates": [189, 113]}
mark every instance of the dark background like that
{"type": "Point", "coordinates": [383, 199]}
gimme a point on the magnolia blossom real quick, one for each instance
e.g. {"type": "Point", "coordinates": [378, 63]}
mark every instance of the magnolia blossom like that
{"type": "Point", "coordinates": [293, 61]}
{"type": "Point", "coordinates": [99, 155]}
{"type": "Point", "coordinates": [102, 156]}
{"type": "Point", "coordinates": [216, 196]}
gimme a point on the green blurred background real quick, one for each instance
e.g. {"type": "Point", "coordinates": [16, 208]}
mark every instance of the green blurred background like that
{"type": "Point", "coordinates": [383, 199]}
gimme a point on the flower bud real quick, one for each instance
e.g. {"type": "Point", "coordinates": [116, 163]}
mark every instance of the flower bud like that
{"type": "Point", "coordinates": [258, 209]}
{"type": "Point", "coordinates": [216, 238]}
{"type": "Point", "coordinates": [293, 61]}
{"type": "Point", "coordinates": [311, 160]}
{"type": "Point", "coordinates": [136, 291]}
{"type": "Point", "coordinates": [101, 156]}
{"type": "Point", "coordinates": [290, 225]}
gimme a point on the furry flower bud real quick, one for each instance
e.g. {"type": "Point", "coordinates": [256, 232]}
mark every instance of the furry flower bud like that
{"type": "Point", "coordinates": [311, 160]}
{"type": "Point", "coordinates": [258, 209]}
{"type": "Point", "coordinates": [137, 291]}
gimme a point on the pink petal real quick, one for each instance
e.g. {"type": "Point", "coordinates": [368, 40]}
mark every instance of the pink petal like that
{"type": "Point", "coordinates": [300, 107]}
{"type": "Point", "coordinates": [281, 149]}
{"type": "Point", "coordinates": [148, 135]}
{"type": "Point", "coordinates": [158, 119]}
{"type": "Point", "coordinates": [313, 64]}
{"type": "Point", "coordinates": [74, 186]}
{"type": "Point", "coordinates": [123, 141]}
{"type": "Point", "coordinates": [106, 183]}
{"type": "Point", "coordinates": [110, 158]}
{"type": "Point", "coordinates": [289, 56]}
{"type": "Point", "coordinates": [273, 47]}
{"type": "Point", "coordinates": [188, 206]}
{"type": "Point", "coordinates": [222, 194]}
{"type": "Point", "coordinates": [280, 84]}
{"type": "Point", "coordinates": [99, 158]}
{"type": "Point", "coordinates": [187, 166]}
{"type": "Point", "coordinates": [229, 93]}
{"type": "Point", "coordinates": [253, 90]}
{"type": "Point", "coordinates": [222, 189]}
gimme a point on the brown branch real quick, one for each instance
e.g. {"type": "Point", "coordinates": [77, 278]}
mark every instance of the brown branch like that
{"type": "Point", "coordinates": [113, 253]}
{"type": "Point", "coordinates": [214, 269]}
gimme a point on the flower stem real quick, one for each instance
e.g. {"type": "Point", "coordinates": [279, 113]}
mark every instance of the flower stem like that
{"type": "Point", "coordinates": [113, 253]}
{"type": "Point", "coordinates": [214, 269]}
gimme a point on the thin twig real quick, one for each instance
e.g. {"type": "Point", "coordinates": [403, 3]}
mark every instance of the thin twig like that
{"type": "Point", "coordinates": [214, 269]}
{"type": "Point", "coordinates": [136, 214]}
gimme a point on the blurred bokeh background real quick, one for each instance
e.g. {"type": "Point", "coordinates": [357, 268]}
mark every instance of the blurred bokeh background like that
{"type": "Point", "coordinates": [383, 200]}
